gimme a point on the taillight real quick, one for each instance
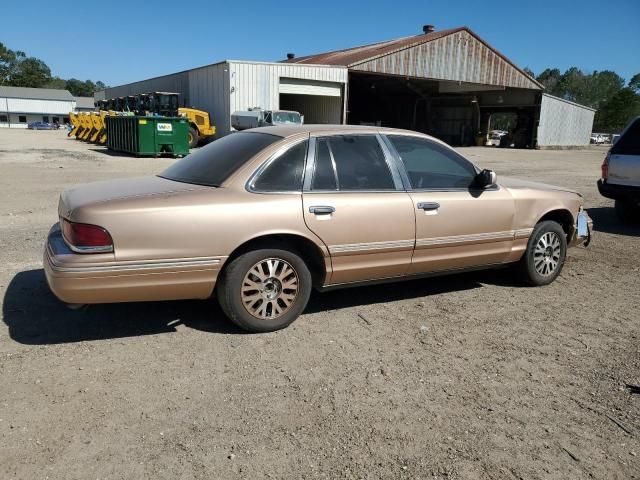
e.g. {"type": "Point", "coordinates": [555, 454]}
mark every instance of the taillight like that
{"type": "Point", "coordinates": [605, 167]}
{"type": "Point", "coordinates": [85, 238]}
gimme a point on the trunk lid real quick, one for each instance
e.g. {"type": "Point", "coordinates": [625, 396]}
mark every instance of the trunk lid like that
{"type": "Point", "coordinates": [100, 192]}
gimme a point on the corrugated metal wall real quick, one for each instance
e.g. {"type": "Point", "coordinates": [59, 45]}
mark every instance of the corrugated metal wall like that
{"type": "Point", "coordinates": [209, 90]}
{"type": "Point", "coordinates": [177, 82]}
{"type": "Point", "coordinates": [564, 123]}
{"type": "Point", "coordinates": [258, 84]}
{"type": "Point", "coordinates": [456, 57]}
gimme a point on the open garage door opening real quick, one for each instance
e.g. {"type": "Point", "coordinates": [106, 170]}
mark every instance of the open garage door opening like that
{"type": "Point", "coordinates": [454, 112]}
{"type": "Point", "coordinates": [319, 102]}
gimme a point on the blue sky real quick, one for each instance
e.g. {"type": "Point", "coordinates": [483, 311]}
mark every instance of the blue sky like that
{"type": "Point", "coordinates": [122, 41]}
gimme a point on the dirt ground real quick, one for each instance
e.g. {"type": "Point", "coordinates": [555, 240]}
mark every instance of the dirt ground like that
{"type": "Point", "coordinates": [462, 377]}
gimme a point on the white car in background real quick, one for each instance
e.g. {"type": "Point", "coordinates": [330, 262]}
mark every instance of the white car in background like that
{"type": "Point", "coordinates": [494, 137]}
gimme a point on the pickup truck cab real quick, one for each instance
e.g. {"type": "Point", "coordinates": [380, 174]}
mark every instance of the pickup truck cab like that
{"type": "Point", "coordinates": [621, 173]}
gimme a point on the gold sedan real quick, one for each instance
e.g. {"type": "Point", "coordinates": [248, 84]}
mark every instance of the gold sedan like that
{"type": "Point", "coordinates": [260, 217]}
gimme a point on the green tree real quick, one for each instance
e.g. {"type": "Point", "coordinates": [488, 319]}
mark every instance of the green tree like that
{"type": "Point", "coordinates": [57, 83]}
{"type": "Point", "coordinates": [600, 87]}
{"type": "Point", "coordinates": [634, 83]}
{"type": "Point", "coordinates": [18, 70]}
{"type": "Point", "coordinates": [30, 72]}
{"type": "Point", "coordinates": [529, 72]}
{"type": "Point", "coordinates": [615, 113]}
{"type": "Point", "coordinates": [573, 85]}
{"type": "Point", "coordinates": [78, 88]}
{"type": "Point", "coordinates": [550, 79]}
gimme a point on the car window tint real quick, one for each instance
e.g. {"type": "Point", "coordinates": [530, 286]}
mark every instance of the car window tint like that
{"type": "Point", "coordinates": [324, 177]}
{"type": "Point", "coordinates": [360, 163]}
{"type": "Point", "coordinates": [213, 164]}
{"type": "Point", "coordinates": [629, 142]}
{"type": "Point", "coordinates": [430, 165]}
{"type": "Point", "coordinates": [284, 173]}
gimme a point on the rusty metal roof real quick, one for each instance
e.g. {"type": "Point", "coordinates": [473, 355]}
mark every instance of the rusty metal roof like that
{"type": "Point", "coordinates": [356, 56]}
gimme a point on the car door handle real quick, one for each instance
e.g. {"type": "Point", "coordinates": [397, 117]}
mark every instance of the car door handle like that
{"type": "Point", "coordinates": [321, 209]}
{"type": "Point", "coordinates": [428, 205]}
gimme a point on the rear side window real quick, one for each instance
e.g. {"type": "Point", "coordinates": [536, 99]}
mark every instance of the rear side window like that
{"type": "Point", "coordinates": [629, 142]}
{"type": "Point", "coordinates": [356, 162]}
{"type": "Point", "coordinates": [284, 173]}
{"type": "Point", "coordinates": [213, 164]}
{"type": "Point", "coordinates": [430, 165]}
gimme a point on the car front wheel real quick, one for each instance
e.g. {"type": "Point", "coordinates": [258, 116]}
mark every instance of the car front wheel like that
{"type": "Point", "coordinates": [545, 255]}
{"type": "Point", "coordinates": [265, 290]}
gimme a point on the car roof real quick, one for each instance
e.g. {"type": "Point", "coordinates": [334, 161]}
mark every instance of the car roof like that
{"type": "Point", "coordinates": [290, 130]}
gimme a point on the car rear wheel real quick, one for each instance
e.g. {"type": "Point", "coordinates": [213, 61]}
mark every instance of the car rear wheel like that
{"type": "Point", "coordinates": [545, 255]}
{"type": "Point", "coordinates": [265, 290]}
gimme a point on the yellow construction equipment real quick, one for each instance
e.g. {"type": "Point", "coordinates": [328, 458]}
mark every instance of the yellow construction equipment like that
{"type": "Point", "coordinates": [88, 125]}
{"type": "Point", "coordinates": [96, 120]}
{"type": "Point", "coordinates": [200, 128]}
{"type": "Point", "coordinates": [92, 126]}
{"type": "Point", "coordinates": [75, 122]}
{"type": "Point", "coordinates": [102, 137]}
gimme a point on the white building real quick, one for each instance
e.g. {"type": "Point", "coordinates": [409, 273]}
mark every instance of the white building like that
{"type": "Point", "coordinates": [84, 104]}
{"type": "Point", "coordinates": [20, 106]}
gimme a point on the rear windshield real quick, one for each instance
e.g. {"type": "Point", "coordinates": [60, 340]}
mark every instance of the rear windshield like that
{"type": "Point", "coordinates": [213, 164]}
{"type": "Point", "coordinates": [629, 142]}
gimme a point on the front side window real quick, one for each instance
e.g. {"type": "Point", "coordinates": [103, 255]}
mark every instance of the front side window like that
{"type": "Point", "coordinates": [213, 164]}
{"type": "Point", "coordinates": [431, 165]}
{"type": "Point", "coordinates": [351, 162]}
{"type": "Point", "coordinates": [284, 173]}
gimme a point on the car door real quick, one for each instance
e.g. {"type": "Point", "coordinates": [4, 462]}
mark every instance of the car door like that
{"type": "Point", "coordinates": [353, 199]}
{"type": "Point", "coordinates": [457, 226]}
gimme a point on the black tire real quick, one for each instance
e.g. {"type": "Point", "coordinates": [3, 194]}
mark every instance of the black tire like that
{"type": "Point", "coordinates": [627, 211]}
{"type": "Point", "coordinates": [194, 138]}
{"type": "Point", "coordinates": [229, 290]}
{"type": "Point", "coordinates": [543, 274]}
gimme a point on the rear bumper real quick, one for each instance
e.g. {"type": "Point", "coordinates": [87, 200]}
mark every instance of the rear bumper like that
{"type": "Point", "coordinates": [618, 192]}
{"type": "Point", "coordinates": [76, 278]}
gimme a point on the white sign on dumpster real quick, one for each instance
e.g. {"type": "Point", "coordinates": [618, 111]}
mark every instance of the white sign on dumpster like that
{"type": "Point", "coordinates": [165, 127]}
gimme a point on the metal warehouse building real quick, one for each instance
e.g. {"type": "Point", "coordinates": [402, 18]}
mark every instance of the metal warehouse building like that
{"type": "Point", "coordinates": [446, 83]}
{"type": "Point", "coordinates": [317, 91]}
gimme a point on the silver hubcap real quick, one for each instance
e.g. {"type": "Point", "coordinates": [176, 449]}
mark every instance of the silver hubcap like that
{"type": "Point", "coordinates": [269, 288]}
{"type": "Point", "coordinates": [546, 256]}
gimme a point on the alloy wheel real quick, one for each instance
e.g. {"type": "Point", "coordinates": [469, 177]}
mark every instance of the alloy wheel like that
{"type": "Point", "coordinates": [269, 289]}
{"type": "Point", "coordinates": [546, 255]}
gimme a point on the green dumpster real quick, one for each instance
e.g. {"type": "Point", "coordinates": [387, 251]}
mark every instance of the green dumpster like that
{"type": "Point", "coordinates": [148, 136]}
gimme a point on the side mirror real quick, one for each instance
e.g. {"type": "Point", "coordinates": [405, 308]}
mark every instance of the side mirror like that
{"type": "Point", "coordinates": [486, 178]}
